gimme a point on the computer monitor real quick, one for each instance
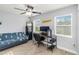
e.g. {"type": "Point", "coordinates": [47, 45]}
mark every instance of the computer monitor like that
{"type": "Point", "coordinates": [44, 28]}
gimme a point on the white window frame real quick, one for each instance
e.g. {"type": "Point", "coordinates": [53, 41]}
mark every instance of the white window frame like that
{"type": "Point", "coordinates": [69, 36]}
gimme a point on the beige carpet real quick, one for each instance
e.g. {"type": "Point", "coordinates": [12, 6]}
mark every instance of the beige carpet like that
{"type": "Point", "coordinates": [30, 48]}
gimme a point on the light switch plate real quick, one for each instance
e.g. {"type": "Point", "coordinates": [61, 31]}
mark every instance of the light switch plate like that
{"type": "Point", "coordinates": [0, 23]}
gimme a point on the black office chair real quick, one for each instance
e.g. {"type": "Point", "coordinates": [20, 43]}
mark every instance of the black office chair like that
{"type": "Point", "coordinates": [38, 38]}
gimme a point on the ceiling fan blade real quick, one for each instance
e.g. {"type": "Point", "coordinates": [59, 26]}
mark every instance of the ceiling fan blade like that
{"type": "Point", "coordinates": [19, 9]}
{"type": "Point", "coordinates": [23, 13]}
{"type": "Point", "coordinates": [36, 12]}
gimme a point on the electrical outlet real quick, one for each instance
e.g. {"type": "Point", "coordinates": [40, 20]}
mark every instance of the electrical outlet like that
{"type": "Point", "coordinates": [74, 45]}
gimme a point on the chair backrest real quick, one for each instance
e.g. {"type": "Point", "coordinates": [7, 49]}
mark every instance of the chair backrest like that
{"type": "Point", "coordinates": [37, 37]}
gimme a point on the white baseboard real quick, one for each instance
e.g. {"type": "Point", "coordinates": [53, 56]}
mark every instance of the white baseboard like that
{"type": "Point", "coordinates": [68, 50]}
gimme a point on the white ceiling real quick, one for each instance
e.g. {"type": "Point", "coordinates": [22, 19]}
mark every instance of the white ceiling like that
{"type": "Point", "coordinates": [38, 7]}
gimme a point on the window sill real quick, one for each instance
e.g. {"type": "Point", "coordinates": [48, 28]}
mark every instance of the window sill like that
{"type": "Point", "coordinates": [63, 36]}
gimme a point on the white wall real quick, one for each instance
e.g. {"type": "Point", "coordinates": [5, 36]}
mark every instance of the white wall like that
{"type": "Point", "coordinates": [12, 22]}
{"type": "Point", "coordinates": [78, 30]}
{"type": "Point", "coordinates": [67, 43]}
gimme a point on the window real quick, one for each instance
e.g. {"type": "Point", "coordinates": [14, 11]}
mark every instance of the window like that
{"type": "Point", "coordinates": [63, 25]}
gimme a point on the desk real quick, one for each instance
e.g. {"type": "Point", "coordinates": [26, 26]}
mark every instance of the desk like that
{"type": "Point", "coordinates": [49, 41]}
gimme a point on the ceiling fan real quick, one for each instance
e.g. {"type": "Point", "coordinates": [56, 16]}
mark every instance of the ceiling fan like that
{"type": "Point", "coordinates": [28, 9]}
